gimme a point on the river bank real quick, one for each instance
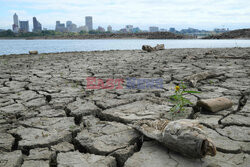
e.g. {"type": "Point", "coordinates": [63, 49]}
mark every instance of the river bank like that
{"type": "Point", "coordinates": [48, 116]}
{"type": "Point", "coordinates": [235, 34]}
{"type": "Point", "coordinates": [143, 35]}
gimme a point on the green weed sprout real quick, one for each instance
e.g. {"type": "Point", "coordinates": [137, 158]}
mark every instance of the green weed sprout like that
{"type": "Point", "coordinates": [180, 101]}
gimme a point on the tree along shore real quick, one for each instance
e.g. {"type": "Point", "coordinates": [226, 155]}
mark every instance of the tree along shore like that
{"type": "Point", "coordinates": [91, 35]}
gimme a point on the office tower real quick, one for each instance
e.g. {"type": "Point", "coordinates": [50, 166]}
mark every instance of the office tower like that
{"type": "Point", "coordinates": [89, 22]}
{"type": "Point", "coordinates": [100, 29]}
{"type": "Point", "coordinates": [15, 26]}
{"type": "Point", "coordinates": [68, 24]}
{"type": "Point", "coordinates": [15, 18]}
{"type": "Point", "coordinates": [60, 27]}
{"type": "Point", "coordinates": [37, 27]}
{"type": "Point", "coordinates": [172, 29]}
{"type": "Point", "coordinates": [71, 27]}
{"type": "Point", "coordinates": [136, 30]}
{"type": "Point", "coordinates": [109, 29]}
{"type": "Point", "coordinates": [153, 29]}
{"type": "Point", "coordinates": [24, 26]}
{"type": "Point", "coordinates": [82, 28]}
{"type": "Point", "coordinates": [129, 28]}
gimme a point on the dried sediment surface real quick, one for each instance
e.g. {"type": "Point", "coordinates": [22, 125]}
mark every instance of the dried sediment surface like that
{"type": "Point", "coordinates": [49, 118]}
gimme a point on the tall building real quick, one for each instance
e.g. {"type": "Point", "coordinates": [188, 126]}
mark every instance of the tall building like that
{"type": "Point", "coordinates": [68, 24]}
{"type": "Point", "coordinates": [129, 28]}
{"type": "Point", "coordinates": [100, 29]}
{"type": "Point", "coordinates": [15, 26]}
{"type": "Point", "coordinates": [24, 26]}
{"type": "Point", "coordinates": [71, 27]}
{"type": "Point", "coordinates": [136, 30]}
{"type": "Point", "coordinates": [89, 22]}
{"type": "Point", "coordinates": [37, 27]}
{"type": "Point", "coordinates": [109, 28]}
{"type": "Point", "coordinates": [153, 29]}
{"type": "Point", "coordinates": [172, 29]}
{"type": "Point", "coordinates": [60, 27]}
{"type": "Point", "coordinates": [82, 28]}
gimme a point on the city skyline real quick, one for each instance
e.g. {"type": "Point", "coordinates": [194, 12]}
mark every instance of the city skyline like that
{"type": "Point", "coordinates": [208, 14]}
{"type": "Point", "coordinates": [23, 26]}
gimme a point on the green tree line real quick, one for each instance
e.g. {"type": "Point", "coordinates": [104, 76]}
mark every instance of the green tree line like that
{"type": "Point", "coordinates": [9, 33]}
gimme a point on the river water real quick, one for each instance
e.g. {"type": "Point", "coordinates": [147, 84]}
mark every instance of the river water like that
{"type": "Point", "coordinates": [50, 46]}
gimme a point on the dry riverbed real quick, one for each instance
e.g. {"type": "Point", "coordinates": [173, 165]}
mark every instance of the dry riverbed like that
{"type": "Point", "coordinates": [49, 118]}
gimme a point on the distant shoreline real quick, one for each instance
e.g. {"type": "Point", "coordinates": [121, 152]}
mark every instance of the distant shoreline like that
{"type": "Point", "coordinates": [154, 35]}
{"type": "Point", "coordinates": [236, 34]}
{"type": "Point", "coordinates": [17, 38]}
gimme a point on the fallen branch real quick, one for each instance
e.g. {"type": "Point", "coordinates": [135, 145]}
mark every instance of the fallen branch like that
{"type": "Point", "coordinates": [193, 79]}
{"type": "Point", "coordinates": [183, 136]}
{"type": "Point", "coordinates": [33, 52]}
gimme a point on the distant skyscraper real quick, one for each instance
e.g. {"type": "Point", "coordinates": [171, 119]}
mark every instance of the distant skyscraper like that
{"type": "Point", "coordinates": [15, 26]}
{"type": "Point", "coordinates": [109, 28]}
{"type": "Point", "coordinates": [153, 29]}
{"type": "Point", "coordinates": [129, 28]}
{"type": "Point", "coordinates": [24, 26]}
{"type": "Point", "coordinates": [15, 18]}
{"type": "Point", "coordinates": [60, 27]}
{"type": "Point", "coordinates": [82, 28]}
{"type": "Point", "coordinates": [36, 25]}
{"type": "Point", "coordinates": [136, 30]}
{"type": "Point", "coordinates": [89, 22]}
{"type": "Point", "coordinates": [172, 29]}
{"type": "Point", "coordinates": [68, 24]}
{"type": "Point", "coordinates": [100, 29]}
{"type": "Point", "coordinates": [71, 27]}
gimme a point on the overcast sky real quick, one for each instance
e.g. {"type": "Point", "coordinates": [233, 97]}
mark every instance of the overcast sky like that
{"type": "Point", "coordinates": [202, 14]}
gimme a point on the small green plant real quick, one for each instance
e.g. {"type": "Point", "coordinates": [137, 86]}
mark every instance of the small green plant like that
{"type": "Point", "coordinates": [41, 58]}
{"type": "Point", "coordinates": [72, 127]}
{"type": "Point", "coordinates": [211, 82]}
{"type": "Point", "coordinates": [180, 101]}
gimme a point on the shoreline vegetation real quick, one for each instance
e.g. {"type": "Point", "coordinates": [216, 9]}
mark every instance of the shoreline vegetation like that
{"type": "Point", "coordinates": [92, 35]}
{"type": "Point", "coordinates": [49, 34]}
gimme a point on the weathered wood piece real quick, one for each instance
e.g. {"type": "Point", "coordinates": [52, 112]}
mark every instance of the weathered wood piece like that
{"type": "Point", "coordinates": [183, 136]}
{"type": "Point", "coordinates": [150, 48]}
{"type": "Point", "coordinates": [216, 104]}
{"type": "Point", "coordinates": [159, 47]}
{"type": "Point", "coordinates": [33, 52]}
{"type": "Point", "coordinates": [193, 79]}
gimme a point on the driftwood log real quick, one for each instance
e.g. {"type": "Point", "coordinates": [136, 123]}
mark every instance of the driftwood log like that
{"type": "Point", "coordinates": [33, 52]}
{"type": "Point", "coordinates": [215, 105]}
{"type": "Point", "coordinates": [183, 136]}
{"type": "Point", "coordinates": [193, 79]}
{"type": "Point", "coordinates": [150, 48]}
